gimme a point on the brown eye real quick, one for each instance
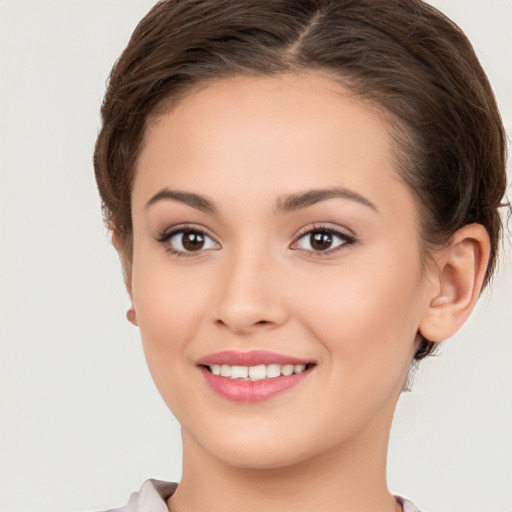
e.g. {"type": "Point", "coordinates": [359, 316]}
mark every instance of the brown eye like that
{"type": "Point", "coordinates": [320, 240]}
{"type": "Point", "coordinates": [192, 241]}
{"type": "Point", "coordinates": [323, 240]}
{"type": "Point", "coordinates": [184, 242]}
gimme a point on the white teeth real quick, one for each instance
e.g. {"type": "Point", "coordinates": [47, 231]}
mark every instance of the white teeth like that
{"type": "Point", "coordinates": [258, 372]}
{"type": "Point", "coordinates": [273, 370]}
{"type": "Point", "coordinates": [287, 369]}
{"type": "Point", "coordinates": [239, 372]}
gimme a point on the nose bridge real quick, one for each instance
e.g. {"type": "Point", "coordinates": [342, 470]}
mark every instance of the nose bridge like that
{"type": "Point", "coordinates": [249, 295]}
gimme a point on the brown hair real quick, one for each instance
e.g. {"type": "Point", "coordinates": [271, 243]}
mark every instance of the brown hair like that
{"type": "Point", "coordinates": [402, 55]}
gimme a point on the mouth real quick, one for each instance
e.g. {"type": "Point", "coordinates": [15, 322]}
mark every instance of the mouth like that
{"type": "Point", "coordinates": [250, 377]}
{"type": "Point", "coordinates": [258, 372]}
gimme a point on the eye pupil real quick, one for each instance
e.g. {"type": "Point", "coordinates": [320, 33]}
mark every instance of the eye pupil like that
{"type": "Point", "coordinates": [321, 240]}
{"type": "Point", "coordinates": [192, 241]}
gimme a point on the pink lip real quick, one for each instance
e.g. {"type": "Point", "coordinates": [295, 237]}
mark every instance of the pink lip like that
{"type": "Point", "coordinates": [243, 391]}
{"type": "Point", "coordinates": [253, 358]}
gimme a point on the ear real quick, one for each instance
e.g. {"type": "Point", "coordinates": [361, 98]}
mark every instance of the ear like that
{"type": "Point", "coordinates": [123, 248]}
{"type": "Point", "coordinates": [457, 282]}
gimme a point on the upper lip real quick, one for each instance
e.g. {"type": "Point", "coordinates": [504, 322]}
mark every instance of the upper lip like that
{"type": "Point", "coordinates": [252, 358]}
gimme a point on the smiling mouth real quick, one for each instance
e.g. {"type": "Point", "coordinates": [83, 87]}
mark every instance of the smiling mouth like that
{"type": "Point", "coordinates": [257, 373]}
{"type": "Point", "coordinates": [254, 376]}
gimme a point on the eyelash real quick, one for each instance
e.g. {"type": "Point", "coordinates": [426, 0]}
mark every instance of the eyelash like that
{"type": "Point", "coordinates": [346, 239]}
{"type": "Point", "coordinates": [164, 237]}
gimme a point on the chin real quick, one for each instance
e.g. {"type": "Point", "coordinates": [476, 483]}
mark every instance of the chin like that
{"type": "Point", "coordinates": [260, 459]}
{"type": "Point", "coordinates": [261, 450]}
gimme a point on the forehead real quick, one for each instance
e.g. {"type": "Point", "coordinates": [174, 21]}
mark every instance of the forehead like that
{"type": "Point", "coordinates": [273, 135]}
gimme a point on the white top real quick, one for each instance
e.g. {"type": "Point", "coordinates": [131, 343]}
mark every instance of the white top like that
{"type": "Point", "coordinates": [154, 493]}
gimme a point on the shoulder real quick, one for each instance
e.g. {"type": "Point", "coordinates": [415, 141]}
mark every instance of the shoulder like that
{"type": "Point", "coordinates": [151, 497]}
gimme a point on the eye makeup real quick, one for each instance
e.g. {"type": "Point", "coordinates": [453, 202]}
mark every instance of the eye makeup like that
{"type": "Point", "coordinates": [190, 240]}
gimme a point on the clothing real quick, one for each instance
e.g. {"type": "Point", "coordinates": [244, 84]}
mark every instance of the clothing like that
{"type": "Point", "coordinates": [151, 497]}
{"type": "Point", "coordinates": [407, 506]}
{"type": "Point", "coordinates": [154, 493]}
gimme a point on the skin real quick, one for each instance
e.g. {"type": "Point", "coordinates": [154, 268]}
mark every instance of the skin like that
{"type": "Point", "coordinates": [247, 144]}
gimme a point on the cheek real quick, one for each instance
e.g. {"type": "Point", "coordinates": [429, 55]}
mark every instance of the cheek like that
{"type": "Point", "coordinates": [367, 312]}
{"type": "Point", "coordinates": [169, 310]}
{"type": "Point", "coordinates": [169, 303]}
{"type": "Point", "coordinates": [366, 323]}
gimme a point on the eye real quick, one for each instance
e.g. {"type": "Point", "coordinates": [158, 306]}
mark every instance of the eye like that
{"type": "Point", "coordinates": [323, 239]}
{"type": "Point", "coordinates": [186, 241]}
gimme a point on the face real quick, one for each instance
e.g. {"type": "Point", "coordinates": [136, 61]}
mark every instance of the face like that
{"type": "Point", "coordinates": [276, 273]}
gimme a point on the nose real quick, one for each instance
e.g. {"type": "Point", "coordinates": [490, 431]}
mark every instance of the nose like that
{"type": "Point", "coordinates": [251, 294]}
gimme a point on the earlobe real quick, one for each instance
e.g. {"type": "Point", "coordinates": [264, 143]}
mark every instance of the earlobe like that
{"type": "Point", "coordinates": [460, 272]}
{"type": "Point", "coordinates": [132, 316]}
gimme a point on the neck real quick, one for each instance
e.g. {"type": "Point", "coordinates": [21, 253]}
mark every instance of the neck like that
{"type": "Point", "coordinates": [349, 477]}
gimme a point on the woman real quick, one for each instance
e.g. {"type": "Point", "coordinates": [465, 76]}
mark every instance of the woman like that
{"type": "Point", "coordinates": [304, 196]}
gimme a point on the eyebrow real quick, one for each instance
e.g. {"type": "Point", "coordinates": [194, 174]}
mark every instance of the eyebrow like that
{"type": "Point", "coordinates": [289, 204]}
{"type": "Point", "coordinates": [193, 200]}
{"type": "Point", "coordinates": [303, 200]}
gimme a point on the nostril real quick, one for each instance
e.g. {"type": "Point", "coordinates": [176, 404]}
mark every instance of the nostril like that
{"type": "Point", "coordinates": [242, 326]}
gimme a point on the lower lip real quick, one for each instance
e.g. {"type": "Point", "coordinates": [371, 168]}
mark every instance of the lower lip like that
{"type": "Point", "coordinates": [246, 391]}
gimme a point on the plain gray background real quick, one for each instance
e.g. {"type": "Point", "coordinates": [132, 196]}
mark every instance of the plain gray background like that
{"type": "Point", "coordinates": [82, 424]}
